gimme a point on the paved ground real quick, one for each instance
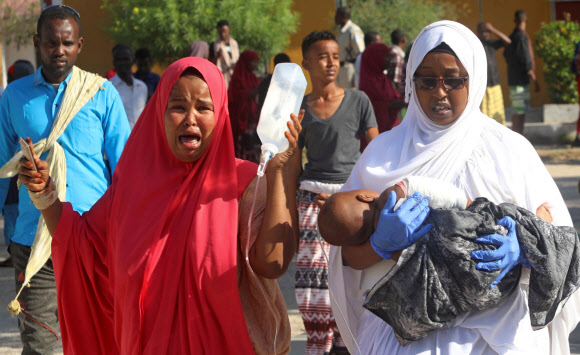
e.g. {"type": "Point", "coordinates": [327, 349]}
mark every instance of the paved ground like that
{"type": "Point", "coordinates": [563, 164]}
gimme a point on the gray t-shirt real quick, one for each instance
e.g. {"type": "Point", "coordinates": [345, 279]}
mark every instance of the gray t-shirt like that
{"type": "Point", "coordinates": [333, 144]}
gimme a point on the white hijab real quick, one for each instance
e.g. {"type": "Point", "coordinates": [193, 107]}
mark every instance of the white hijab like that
{"type": "Point", "coordinates": [474, 153]}
{"type": "Point", "coordinates": [427, 148]}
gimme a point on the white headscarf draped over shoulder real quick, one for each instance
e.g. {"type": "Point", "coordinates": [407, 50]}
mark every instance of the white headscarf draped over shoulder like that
{"type": "Point", "coordinates": [483, 159]}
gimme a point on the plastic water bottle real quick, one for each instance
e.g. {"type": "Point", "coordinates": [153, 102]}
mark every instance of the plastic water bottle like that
{"type": "Point", "coordinates": [284, 97]}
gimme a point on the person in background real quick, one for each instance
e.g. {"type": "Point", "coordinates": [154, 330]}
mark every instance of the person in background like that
{"type": "Point", "coordinates": [265, 83]}
{"type": "Point", "coordinates": [379, 87]}
{"type": "Point", "coordinates": [19, 69]}
{"type": "Point", "coordinates": [575, 66]}
{"type": "Point", "coordinates": [243, 108]}
{"type": "Point", "coordinates": [351, 43]}
{"type": "Point", "coordinates": [198, 49]}
{"type": "Point", "coordinates": [334, 121]}
{"type": "Point", "coordinates": [492, 104]}
{"type": "Point", "coordinates": [520, 61]}
{"type": "Point", "coordinates": [225, 50]}
{"type": "Point", "coordinates": [110, 73]}
{"type": "Point", "coordinates": [396, 60]}
{"type": "Point", "coordinates": [76, 118]}
{"type": "Point", "coordinates": [143, 61]}
{"type": "Point", "coordinates": [370, 37]}
{"type": "Point", "coordinates": [132, 90]}
{"type": "Point", "coordinates": [407, 52]}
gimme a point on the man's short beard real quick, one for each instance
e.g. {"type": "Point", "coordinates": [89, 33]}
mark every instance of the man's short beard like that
{"type": "Point", "coordinates": [57, 72]}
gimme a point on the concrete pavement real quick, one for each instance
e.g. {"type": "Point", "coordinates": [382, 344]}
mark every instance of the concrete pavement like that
{"type": "Point", "coordinates": [566, 174]}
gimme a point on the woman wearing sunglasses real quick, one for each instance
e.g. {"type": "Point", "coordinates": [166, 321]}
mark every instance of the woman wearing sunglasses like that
{"type": "Point", "coordinates": [445, 136]}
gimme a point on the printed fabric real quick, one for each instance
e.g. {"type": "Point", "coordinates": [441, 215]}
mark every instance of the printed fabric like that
{"type": "Point", "coordinates": [312, 293]}
{"type": "Point", "coordinates": [492, 104]}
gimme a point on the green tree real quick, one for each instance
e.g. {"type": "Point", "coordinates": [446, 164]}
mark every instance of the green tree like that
{"type": "Point", "coordinates": [384, 16]}
{"type": "Point", "coordinates": [555, 43]}
{"type": "Point", "coordinates": [18, 20]}
{"type": "Point", "coordinates": [168, 27]}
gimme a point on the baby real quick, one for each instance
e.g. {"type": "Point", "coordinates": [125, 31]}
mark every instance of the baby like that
{"type": "Point", "coordinates": [435, 279]}
{"type": "Point", "coordinates": [349, 218]}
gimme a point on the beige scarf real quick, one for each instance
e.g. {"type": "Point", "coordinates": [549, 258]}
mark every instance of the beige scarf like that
{"type": "Point", "coordinates": [80, 89]}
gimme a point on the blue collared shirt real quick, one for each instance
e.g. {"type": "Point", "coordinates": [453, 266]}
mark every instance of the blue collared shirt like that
{"type": "Point", "coordinates": [28, 108]}
{"type": "Point", "coordinates": [151, 80]}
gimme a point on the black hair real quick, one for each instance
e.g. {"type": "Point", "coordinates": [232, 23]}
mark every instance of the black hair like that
{"type": "Point", "coordinates": [397, 36]}
{"type": "Point", "coordinates": [192, 71]}
{"type": "Point", "coordinates": [519, 16]}
{"type": "Point", "coordinates": [121, 47]}
{"type": "Point", "coordinates": [222, 23]}
{"type": "Point", "coordinates": [408, 50]}
{"type": "Point", "coordinates": [60, 12]}
{"type": "Point", "coordinates": [370, 37]}
{"type": "Point", "coordinates": [443, 48]}
{"type": "Point", "coordinates": [281, 58]}
{"type": "Point", "coordinates": [21, 69]}
{"type": "Point", "coordinates": [142, 53]}
{"type": "Point", "coordinates": [344, 11]}
{"type": "Point", "coordinates": [314, 37]}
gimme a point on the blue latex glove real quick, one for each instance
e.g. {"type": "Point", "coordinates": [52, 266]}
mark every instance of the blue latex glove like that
{"type": "Point", "coordinates": [506, 256]}
{"type": "Point", "coordinates": [397, 230]}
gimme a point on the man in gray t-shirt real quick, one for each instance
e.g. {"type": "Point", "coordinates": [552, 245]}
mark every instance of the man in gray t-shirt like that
{"type": "Point", "coordinates": [332, 144]}
{"type": "Point", "coordinates": [333, 122]}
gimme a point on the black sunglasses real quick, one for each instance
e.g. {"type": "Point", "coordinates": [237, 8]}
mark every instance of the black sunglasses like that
{"type": "Point", "coordinates": [449, 83]}
{"type": "Point", "coordinates": [63, 6]}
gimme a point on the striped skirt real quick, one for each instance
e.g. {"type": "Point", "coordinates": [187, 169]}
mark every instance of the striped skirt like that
{"type": "Point", "coordinates": [312, 293]}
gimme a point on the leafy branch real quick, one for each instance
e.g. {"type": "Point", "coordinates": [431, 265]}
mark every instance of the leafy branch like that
{"type": "Point", "coordinates": [18, 20]}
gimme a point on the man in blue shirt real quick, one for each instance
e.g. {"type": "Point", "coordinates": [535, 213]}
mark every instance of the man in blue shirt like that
{"type": "Point", "coordinates": [28, 108]}
{"type": "Point", "coordinates": [143, 61]}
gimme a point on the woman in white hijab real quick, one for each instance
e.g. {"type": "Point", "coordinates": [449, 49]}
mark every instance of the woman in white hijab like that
{"type": "Point", "coordinates": [444, 135]}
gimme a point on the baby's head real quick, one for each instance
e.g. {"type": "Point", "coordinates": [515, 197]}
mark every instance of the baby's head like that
{"type": "Point", "coordinates": [350, 217]}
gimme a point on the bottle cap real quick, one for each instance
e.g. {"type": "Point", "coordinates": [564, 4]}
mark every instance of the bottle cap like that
{"type": "Point", "coordinates": [270, 148]}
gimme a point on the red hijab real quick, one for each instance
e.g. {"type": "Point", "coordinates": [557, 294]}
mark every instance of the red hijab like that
{"type": "Point", "coordinates": [378, 86]}
{"type": "Point", "coordinates": [242, 108]}
{"type": "Point", "coordinates": [243, 77]}
{"type": "Point", "coordinates": [166, 278]}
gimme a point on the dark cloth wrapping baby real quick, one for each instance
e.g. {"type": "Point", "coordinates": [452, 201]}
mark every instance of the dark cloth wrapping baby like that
{"type": "Point", "coordinates": [435, 280]}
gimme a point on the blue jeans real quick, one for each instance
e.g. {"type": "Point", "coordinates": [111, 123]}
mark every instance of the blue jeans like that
{"type": "Point", "coordinates": [10, 215]}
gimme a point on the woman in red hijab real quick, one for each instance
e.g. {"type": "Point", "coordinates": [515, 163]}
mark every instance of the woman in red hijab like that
{"type": "Point", "coordinates": [244, 113]}
{"type": "Point", "coordinates": [378, 86]}
{"type": "Point", "coordinates": [157, 266]}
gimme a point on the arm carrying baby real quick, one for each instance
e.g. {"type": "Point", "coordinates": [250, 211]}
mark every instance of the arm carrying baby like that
{"type": "Point", "coordinates": [436, 279]}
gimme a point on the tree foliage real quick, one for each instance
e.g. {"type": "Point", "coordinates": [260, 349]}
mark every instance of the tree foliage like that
{"type": "Point", "coordinates": [168, 27]}
{"type": "Point", "coordinates": [18, 20]}
{"type": "Point", "coordinates": [555, 43]}
{"type": "Point", "coordinates": [384, 16]}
